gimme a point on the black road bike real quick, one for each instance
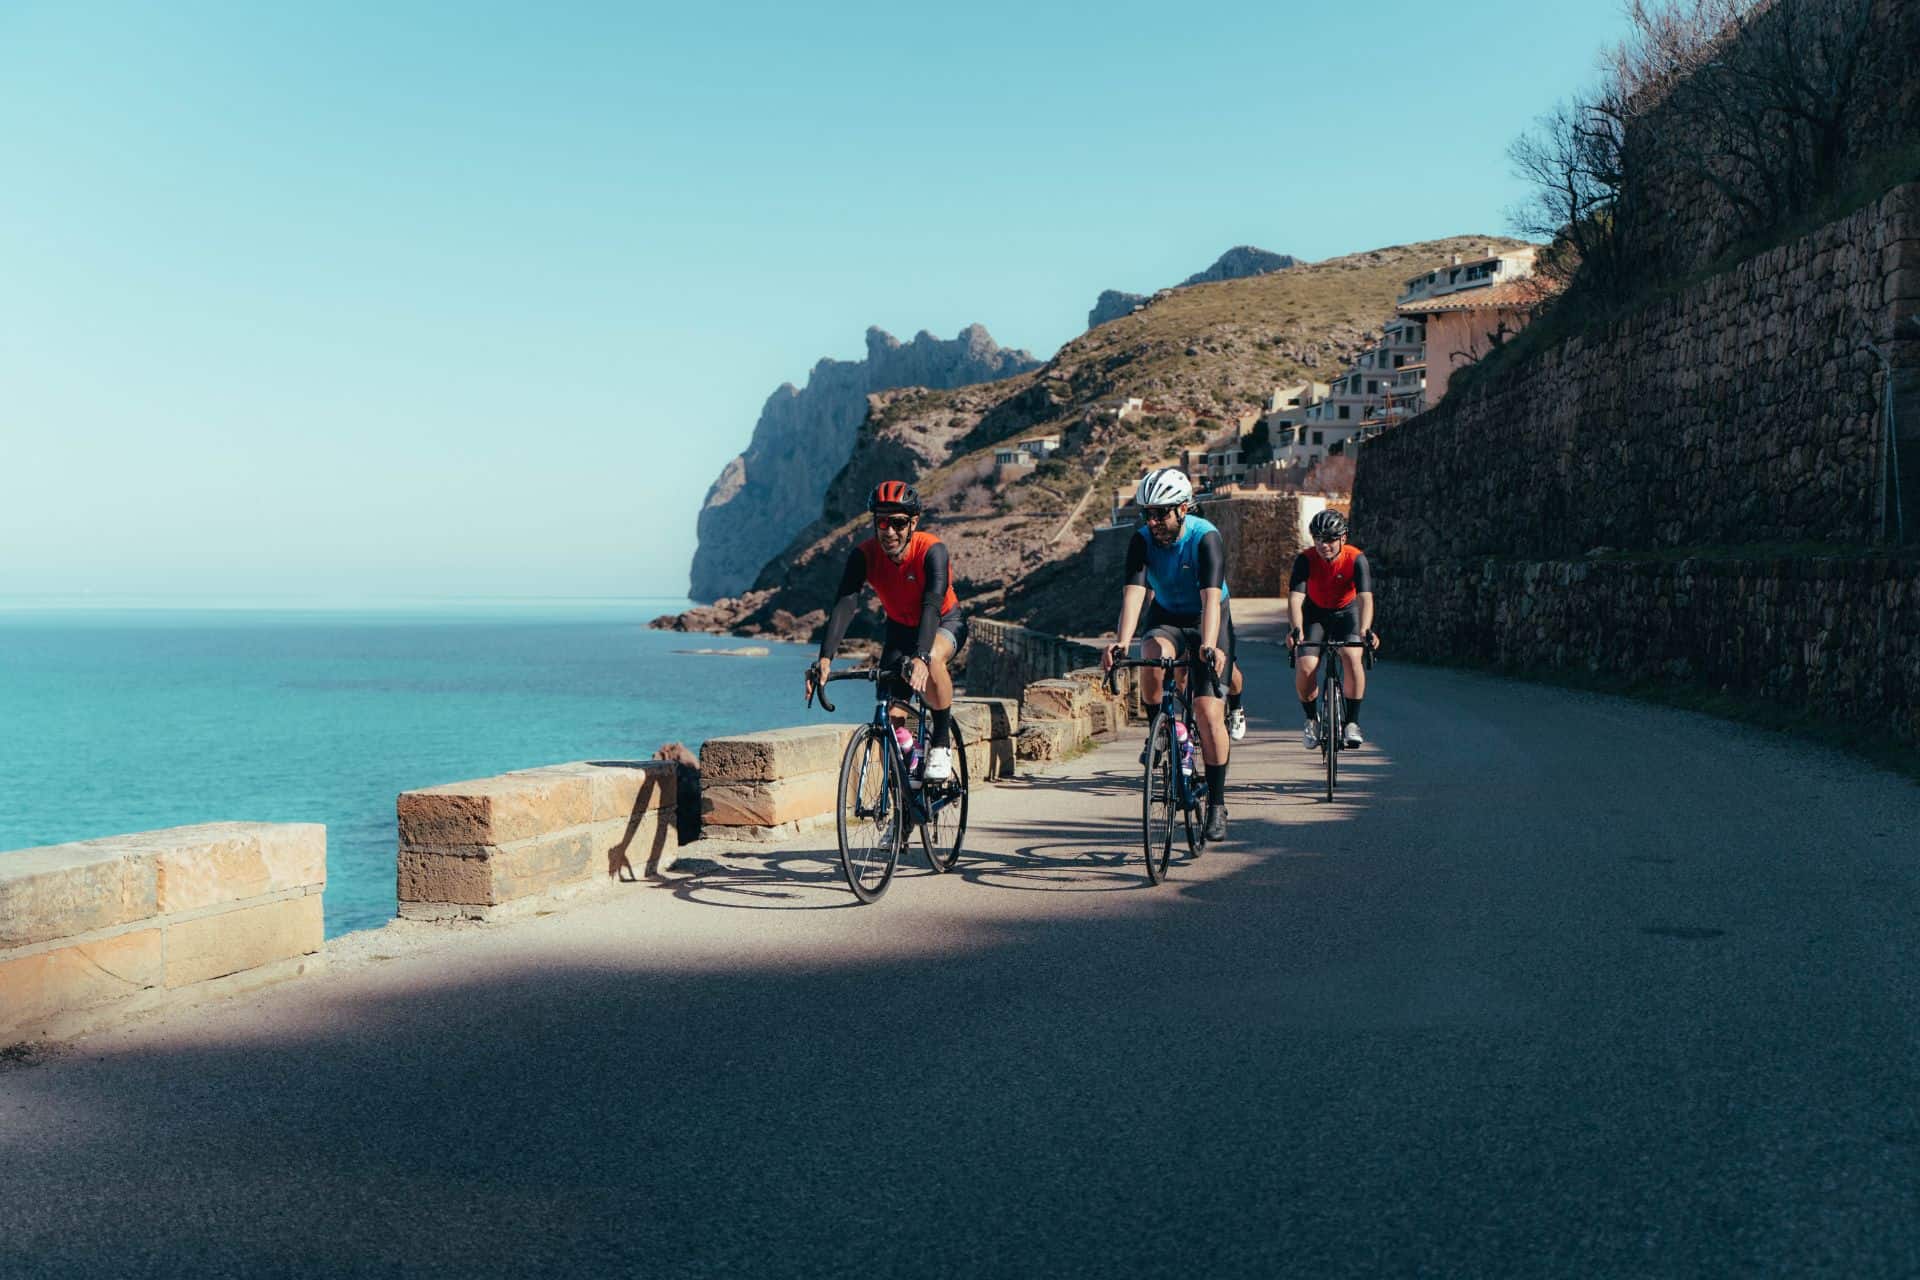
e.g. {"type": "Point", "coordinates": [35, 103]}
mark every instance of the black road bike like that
{"type": "Point", "coordinates": [1173, 786]}
{"type": "Point", "coordinates": [1331, 722]}
{"type": "Point", "coordinates": [883, 793]}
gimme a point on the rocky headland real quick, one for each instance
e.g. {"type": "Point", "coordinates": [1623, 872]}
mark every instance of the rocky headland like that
{"type": "Point", "coordinates": [770, 492]}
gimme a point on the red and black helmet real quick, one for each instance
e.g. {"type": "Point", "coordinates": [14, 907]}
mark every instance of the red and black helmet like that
{"type": "Point", "coordinates": [894, 495]}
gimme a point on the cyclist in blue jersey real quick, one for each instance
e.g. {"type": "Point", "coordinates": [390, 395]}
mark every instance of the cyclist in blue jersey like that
{"type": "Point", "coordinates": [1182, 559]}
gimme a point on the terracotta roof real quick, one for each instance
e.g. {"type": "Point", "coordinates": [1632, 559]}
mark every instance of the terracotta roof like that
{"type": "Point", "coordinates": [1524, 292]}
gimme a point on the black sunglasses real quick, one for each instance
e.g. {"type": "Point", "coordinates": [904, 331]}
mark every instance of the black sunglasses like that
{"type": "Point", "coordinates": [893, 522]}
{"type": "Point", "coordinates": [1157, 514]}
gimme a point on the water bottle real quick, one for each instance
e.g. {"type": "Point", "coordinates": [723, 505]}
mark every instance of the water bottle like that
{"type": "Point", "coordinates": [1186, 747]}
{"type": "Point", "coordinates": [908, 752]}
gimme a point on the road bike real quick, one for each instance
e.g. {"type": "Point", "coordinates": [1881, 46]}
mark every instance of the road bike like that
{"type": "Point", "coordinates": [1173, 785]}
{"type": "Point", "coordinates": [1330, 723]}
{"type": "Point", "coordinates": [882, 789]}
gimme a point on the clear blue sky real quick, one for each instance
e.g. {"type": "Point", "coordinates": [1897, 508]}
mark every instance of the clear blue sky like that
{"type": "Point", "coordinates": [360, 300]}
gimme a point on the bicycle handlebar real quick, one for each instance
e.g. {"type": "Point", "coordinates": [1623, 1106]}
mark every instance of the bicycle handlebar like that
{"type": "Point", "coordinates": [1164, 664]}
{"type": "Point", "coordinates": [1366, 650]}
{"type": "Point", "coordinates": [818, 688]}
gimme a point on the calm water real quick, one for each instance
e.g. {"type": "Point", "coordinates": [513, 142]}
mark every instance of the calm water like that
{"type": "Point", "coordinates": [114, 721]}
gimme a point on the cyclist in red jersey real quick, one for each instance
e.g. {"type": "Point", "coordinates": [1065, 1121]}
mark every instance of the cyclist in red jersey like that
{"type": "Point", "coordinates": [1330, 597]}
{"type": "Point", "coordinates": [910, 572]}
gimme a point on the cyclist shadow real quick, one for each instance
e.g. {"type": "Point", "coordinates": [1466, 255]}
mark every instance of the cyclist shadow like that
{"type": "Point", "coordinates": [783, 880]}
{"type": "Point", "coordinates": [1100, 856]}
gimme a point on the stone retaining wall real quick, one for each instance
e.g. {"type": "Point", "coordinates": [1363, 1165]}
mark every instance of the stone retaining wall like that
{"type": "Point", "coordinates": [1841, 633]}
{"type": "Point", "coordinates": [99, 929]}
{"type": "Point", "coordinates": [485, 849]}
{"type": "Point", "coordinates": [1747, 409]}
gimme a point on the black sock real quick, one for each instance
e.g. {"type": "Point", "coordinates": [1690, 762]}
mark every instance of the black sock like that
{"type": "Point", "coordinates": [1233, 702]}
{"type": "Point", "coordinates": [942, 727]}
{"type": "Point", "coordinates": [1216, 785]}
{"type": "Point", "coordinates": [1353, 711]}
{"type": "Point", "coordinates": [1312, 707]}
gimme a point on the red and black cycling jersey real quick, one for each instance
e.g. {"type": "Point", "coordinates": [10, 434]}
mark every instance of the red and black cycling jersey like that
{"type": "Point", "coordinates": [1331, 584]}
{"type": "Point", "coordinates": [916, 592]}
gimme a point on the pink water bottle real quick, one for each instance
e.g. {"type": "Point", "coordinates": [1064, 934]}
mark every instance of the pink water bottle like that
{"type": "Point", "coordinates": [1186, 746]}
{"type": "Point", "coordinates": [904, 736]}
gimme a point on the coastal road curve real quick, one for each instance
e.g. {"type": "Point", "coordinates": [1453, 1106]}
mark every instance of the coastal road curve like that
{"type": "Point", "coordinates": [1562, 985]}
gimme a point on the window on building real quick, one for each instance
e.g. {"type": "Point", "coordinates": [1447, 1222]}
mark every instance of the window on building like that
{"type": "Point", "coordinates": [1399, 362]}
{"type": "Point", "coordinates": [1373, 386]}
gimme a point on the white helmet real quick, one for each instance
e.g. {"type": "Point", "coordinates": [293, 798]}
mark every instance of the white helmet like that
{"type": "Point", "coordinates": [1163, 487]}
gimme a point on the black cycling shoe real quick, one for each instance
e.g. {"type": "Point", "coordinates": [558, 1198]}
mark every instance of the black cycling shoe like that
{"type": "Point", "coordinates": [1216, 823]}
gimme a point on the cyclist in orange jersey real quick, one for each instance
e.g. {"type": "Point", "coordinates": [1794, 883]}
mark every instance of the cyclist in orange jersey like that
{"type": "Point", "coordinates": [911, 573]}
{"type": "Point", "coordinates": [1330, 597]}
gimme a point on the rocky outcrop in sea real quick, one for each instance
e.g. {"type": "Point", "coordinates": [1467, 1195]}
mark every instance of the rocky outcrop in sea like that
{"type": "Point", "coordinates": [804, 436]}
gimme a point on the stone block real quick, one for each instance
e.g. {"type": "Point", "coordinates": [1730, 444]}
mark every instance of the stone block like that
{"type": "Point", "coordinates": [60, 890]}
{"type": "Point", "coordinates": [241, 939]}
{"type": "Point", "coordinates": [987, 717]}
{"type": "Point", "coordinates": [34, 988]}
{"type": "Point", "coordinates": [980, 760]}
{"type": "Point", "coordinates": [773, 753]}
{"type": "Point", "coordinates": [219, 862]}
{"type": "Point", "coordinates": [770, 803]}
{"type": "Point", "coordinates": [445, 875]}
{"type": "Point", "coordinates": [1105, 718]}
{"type": "Point", "coordinates": [622, 788]}
{"type": "Point", "coordinates": [1050, 739]}
{"type": "Point", "coordinates": [497, 810]}
{"type": "Point", "coordinates": [1053, 700]}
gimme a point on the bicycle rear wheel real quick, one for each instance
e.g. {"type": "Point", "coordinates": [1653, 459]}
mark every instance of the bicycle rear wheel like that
{"type": "Point", "coordinates": [1336, 707]}
{"type": "Point", "coordinates": [1158, 798]}
{"type": "Point", "coordinates": [871, 813]}
{"type": "Point", "coordinates": [946, 804]}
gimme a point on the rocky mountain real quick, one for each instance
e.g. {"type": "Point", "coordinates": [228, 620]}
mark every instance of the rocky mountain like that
{"type": "Point", "coordinates": [1237, 263]}
{"type": "Point", "coordinates": [767, 494]}
{"type": "Point", "coordinates": [1203, 358]}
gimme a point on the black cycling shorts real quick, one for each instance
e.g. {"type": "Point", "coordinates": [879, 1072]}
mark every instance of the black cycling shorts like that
{"type": "Point", "coordinates": [1183, 632]}
{"type": "Point", "coordinates": [904, 642]}
{"type": "Point", "coordinates": [1331, 624]}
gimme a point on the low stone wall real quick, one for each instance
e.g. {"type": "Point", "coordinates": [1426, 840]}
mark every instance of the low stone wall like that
{"type": "Point", "coordinates": [1841, 634]}
{"type": "Point", "coordinates": [99, 929]}
{"type": "Point", "coordinates": [485, 849]}
{"type": "Point", "coordinates": [770, 785]}
{"type": "Point", "coordinates": [1003, 659]}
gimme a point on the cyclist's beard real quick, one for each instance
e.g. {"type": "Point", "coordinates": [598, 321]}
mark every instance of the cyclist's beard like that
{"type": "Point", "coordinates": [1171, 532]}
{"type": "Point", "coordinates": [895, 544]}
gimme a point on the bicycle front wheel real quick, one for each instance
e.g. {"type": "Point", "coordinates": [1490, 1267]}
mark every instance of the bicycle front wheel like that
{"type": "Point", "coordinates": [1336, 705]}
{"type": "Point", "coordinates": [870, 813]}
{"type": "Point", "coordinates": [946, 806]}
{"type": "Point", "coordinates": [1159, 798]}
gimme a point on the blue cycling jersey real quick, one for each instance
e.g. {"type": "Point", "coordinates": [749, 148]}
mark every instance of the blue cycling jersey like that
{"type": "Point", "coordinates": [1173, 572]}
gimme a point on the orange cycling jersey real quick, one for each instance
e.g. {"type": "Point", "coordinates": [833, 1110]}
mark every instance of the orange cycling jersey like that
{"type": "Point", "coordinates": [901, 586]}
{"type": "Point", "coordinates": [1330, 583]}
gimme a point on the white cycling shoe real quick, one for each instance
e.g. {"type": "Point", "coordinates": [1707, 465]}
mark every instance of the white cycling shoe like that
{"type": "Point", "coordinates": [1353, 737]}
{"type": "Point", "coordinates": [1310, 736]}
{"type": "Point", "coordinates": [1237, 723]}
{"type": "Point", "coordinates": [939, 764]}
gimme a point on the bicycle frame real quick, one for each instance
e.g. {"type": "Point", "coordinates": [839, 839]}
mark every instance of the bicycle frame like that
{"type": "Point", "coordinates": [1332, 695]}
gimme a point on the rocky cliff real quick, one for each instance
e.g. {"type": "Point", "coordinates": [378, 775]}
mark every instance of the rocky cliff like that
{"type": "Point", "coordinates": [769, 493]}
{"type": "Point", "coordinates": [1237, 263]}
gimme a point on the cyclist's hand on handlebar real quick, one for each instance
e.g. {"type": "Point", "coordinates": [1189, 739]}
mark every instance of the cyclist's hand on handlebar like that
{"type": "Point", "coordinates": [1110, 655]}
{"type": "Point", "coordinates": [1215, 658]}
{"type": "Point", "coordinates": [1373, 641]}
{"type": "Point", "coordinates": [916, 674]}
{"type": "Point", "coordinates": [1293, 637]}
{"type": "Point", "coordinates": [817, 676]}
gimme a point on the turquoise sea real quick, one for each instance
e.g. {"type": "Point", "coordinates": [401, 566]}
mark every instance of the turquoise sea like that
{"type": "Point", "coordinates": [115, 720]}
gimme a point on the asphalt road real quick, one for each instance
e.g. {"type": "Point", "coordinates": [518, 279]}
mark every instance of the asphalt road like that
{"type": "Point", "coordinates": [1561, 986]}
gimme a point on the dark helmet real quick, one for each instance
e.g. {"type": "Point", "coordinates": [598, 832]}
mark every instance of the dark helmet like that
{"type": "Point", "coordinates": [1328, 525]}
{"type": "Point", "coordinates": [894, 495]}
